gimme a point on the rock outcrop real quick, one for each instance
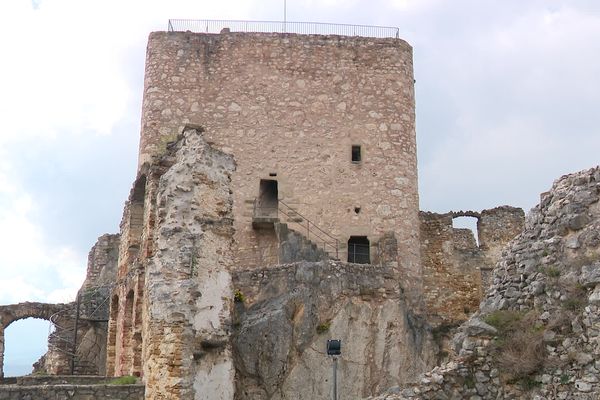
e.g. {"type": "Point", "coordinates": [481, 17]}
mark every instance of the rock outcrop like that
{"type": "Point", "coordinates": [285, 314]}
{"type": "Point", "coordinates": [537, 332]}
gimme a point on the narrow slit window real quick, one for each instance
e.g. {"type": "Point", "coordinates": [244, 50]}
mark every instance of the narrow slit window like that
{"type": "Point", "coordinates": [356, 154]}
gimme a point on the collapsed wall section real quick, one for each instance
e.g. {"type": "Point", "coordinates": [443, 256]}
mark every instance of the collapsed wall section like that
{"type": "Point", "coordinates": [456, 268]}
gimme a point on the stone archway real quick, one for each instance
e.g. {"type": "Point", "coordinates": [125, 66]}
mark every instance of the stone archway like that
{"type": "Point", "coordinates": [14, 312]}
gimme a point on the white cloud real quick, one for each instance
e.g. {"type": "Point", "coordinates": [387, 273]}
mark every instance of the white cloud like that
{"type": "Point", "coordinates": [31, 269]}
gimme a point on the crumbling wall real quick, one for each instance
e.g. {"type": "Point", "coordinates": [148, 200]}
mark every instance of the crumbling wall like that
{"type": "Point", "coordinates": [457, 270]}
{"type": "Point", "coordinates": [124, 338]}
{"type": "Point", "coordinates": [13, 312]}
{"type": "Point", "coordinates": [188, 297]}
{"type": "Point", "coordinates": [536, 333]}
{"type": "Point", "coordinates": [496, 228]}
{"type": "Point", "coordinates": [102, 262]}
{"type": "Point", "coordinates": [285, 314]}
{"type": "Point", "coordinates": [92, 306]}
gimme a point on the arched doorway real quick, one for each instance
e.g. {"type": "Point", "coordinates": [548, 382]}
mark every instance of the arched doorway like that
{"type": "Point", "coordinates": [25, 341]}
{"type": "Point", "coordinates": [15, 312]}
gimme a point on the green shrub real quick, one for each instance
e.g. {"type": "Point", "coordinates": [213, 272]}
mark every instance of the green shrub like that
{"type": "Point", "coordinates": [519, 346]}
{"type": "Point", "coordinates": [503, 320]}
{"type": "Point", "coordinates": [238, 296]}
{"type": "Point", "coordinates": [573, 304]}
{"type": "Point", "coordinates": [576, 297]}
{"type": "Point", "coordinates": [528, 383]}
{"type": "Point", "coordinates": [552, 272]}
{"type": "Point", "coordinates": [123, 380]}
{"type": "Point", "coordinates": [470, 381]}
{"type": "Point", "coordinates": [324, 327]}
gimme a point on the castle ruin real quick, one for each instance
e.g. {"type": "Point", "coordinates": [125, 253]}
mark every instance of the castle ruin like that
{"type": "Point", "coordinates": [276, 206]}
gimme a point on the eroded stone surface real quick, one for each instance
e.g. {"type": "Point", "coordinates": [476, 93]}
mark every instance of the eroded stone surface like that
{"type": "Point", "coordinates": [187, 353]}
{"type": "Point", "coordinates": [290, 311]}
{"type": "Point", "coordinates": [544, 276]}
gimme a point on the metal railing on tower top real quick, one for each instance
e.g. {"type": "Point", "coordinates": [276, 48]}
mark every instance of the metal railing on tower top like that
{"type": "Point", "coordinates": [307, 28]}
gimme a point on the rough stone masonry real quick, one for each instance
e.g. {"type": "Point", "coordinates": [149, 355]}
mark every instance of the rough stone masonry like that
{"type": "Point", "coordinates": [276, 205]}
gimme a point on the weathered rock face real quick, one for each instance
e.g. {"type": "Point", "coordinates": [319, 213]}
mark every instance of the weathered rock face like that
{"type": "Point", "coordinates": [537, 333]}
{"type": "Point", "coordinates": [187, 306]}
{"type": "Point", "coordinates": [102, 262]}
{"type": "Point", "coordinates": [285, 314]}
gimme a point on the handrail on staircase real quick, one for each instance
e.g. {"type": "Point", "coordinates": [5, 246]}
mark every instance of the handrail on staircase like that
{"type": "Point", "coordinates": [66, 337]}
{"type": "Point", "coordinates": [290, 212]}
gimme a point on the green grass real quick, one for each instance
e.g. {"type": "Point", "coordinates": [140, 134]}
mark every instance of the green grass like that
{"type": "Point", "coordinates": [123, 380]}
{"type": "Point", "coordinates": [470, 381]}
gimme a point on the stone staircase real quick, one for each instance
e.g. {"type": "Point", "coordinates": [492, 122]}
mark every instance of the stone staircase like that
{"type": "Point", "coordinates": [294, 246]}
{"type": "Point", "coordinates": [304, 242]}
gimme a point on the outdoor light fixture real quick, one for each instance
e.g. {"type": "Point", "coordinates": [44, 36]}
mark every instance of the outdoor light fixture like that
{"type": "Point", "coordinates": [334, 349]}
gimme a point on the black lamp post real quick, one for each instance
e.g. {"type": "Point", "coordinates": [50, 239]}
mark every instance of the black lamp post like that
{"type": "Point", "coordinates": [334, 349]}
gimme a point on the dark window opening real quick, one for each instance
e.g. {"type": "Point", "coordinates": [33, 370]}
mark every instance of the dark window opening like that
{"type": "Point", "coordinates": [356, 155]}
{"type": "Point", "coordinates": [272, 173]}
{"type": "Point", "coordinates": [356, 210]}
{"type": "Point", "coordinates": [268, 198]}
{"type": "Point", "coordinates": [358, 250]}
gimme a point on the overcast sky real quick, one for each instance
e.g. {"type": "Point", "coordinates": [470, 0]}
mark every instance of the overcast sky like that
{"type": "Point", "coordinates": [508, 96]}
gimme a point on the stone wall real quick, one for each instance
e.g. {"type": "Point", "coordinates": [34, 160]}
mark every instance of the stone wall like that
{"type": "Point", "coordinates": [285, 314]}
{"type": "Point", "coordinates": [457, 270]}
{"type": "Point", "coordinates": [102, 262]}
{"type": "Point", "coordinates": [13, 312]}
{"type": "Point", "coordinates": [188, 295]}
{"type": "Point", "coordinates": [93, 308]}
{"type": "Point", "coordinates": [289, 108]}
{"type": "Point", "coordinates": [537, 332]}
{"type": "Point", "coordinates": [72, 392]}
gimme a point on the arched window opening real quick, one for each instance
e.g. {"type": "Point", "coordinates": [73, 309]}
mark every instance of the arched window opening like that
{"type": "Point", "coordinates": [136, 211]}
{"type": "Point", "coordinates": [127, 352]}
{"type": "Point", "coordinates": [111, 348]}
{"type": "Point", "coordinates": [25, 341]}
{"type": "Point", "coordinates": [359, 250]}
{"type": "Point", "coordinates": [465, 232]}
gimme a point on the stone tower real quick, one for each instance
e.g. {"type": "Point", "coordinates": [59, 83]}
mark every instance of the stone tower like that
{"type": "Point", "coordinates": [258, 150]}
{"type": "Point", "coordinates": [321, 125]}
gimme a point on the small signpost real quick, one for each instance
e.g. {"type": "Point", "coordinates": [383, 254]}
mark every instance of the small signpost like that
{"type": "Point", "coordinates": [334, 349]}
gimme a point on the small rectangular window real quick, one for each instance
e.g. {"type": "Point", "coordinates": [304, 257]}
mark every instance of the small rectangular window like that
{"type": "Point", "coordinates": [356, 156]}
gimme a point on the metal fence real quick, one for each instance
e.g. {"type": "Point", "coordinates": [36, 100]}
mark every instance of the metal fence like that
{"type": "Point", "coordinates": [307, 28]}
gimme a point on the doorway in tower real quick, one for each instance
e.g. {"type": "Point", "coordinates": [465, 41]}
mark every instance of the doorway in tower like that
{"type": "Point", "coordinates": [268, 198]}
